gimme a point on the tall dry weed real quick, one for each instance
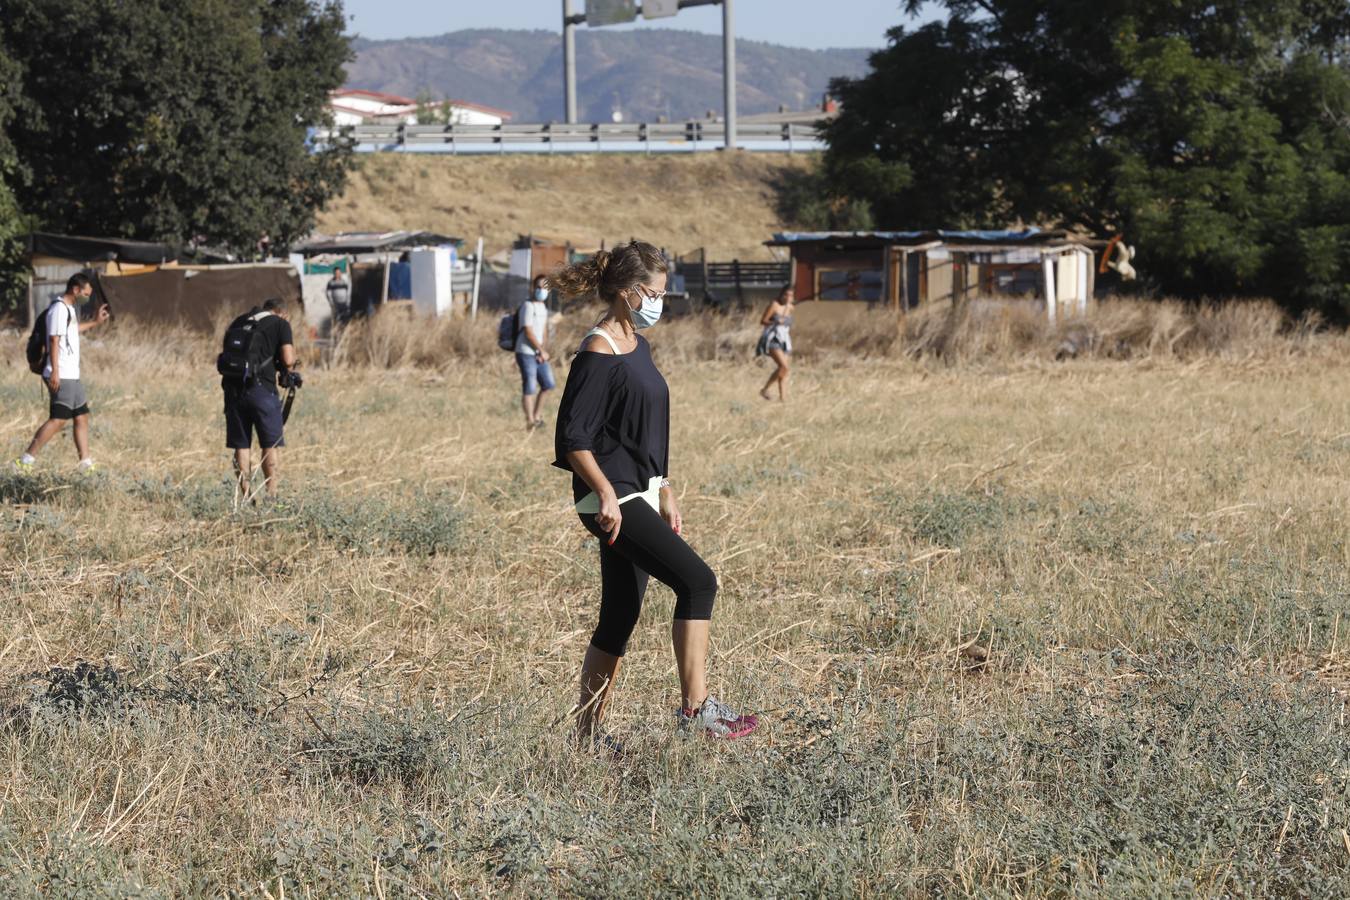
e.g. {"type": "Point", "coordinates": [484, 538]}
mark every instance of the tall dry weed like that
{"type": "Point", "coordinates": [981, 332]}
{"type": "Point", "coordinates": [1116, 329]}
{"type": "Point", "coordinates": [399, 339]}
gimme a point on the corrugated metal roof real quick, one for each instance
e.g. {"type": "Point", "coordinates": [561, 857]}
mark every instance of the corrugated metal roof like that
{"type": "Point", "coordinates": [371, 242]}
{"type": "Point", "coordinates": [977, 235]}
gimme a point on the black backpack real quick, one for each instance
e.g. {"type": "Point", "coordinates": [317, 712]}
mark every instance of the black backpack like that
{"type": "Point", "coordinates": [37, 342]}
{"type": "Point", "coordinates": [508, 329]}
{"type": "Point", "coordinates": [241, 360]}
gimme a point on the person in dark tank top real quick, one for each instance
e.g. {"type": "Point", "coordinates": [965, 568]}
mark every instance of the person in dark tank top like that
{"type": "Point", "coordinates": [613, 435]}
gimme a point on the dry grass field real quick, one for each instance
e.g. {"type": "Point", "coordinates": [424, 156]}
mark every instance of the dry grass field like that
{"type": "Point", "coordinates": [725, 204]}
{"type": "Point", "coordinates": [1017, 627]}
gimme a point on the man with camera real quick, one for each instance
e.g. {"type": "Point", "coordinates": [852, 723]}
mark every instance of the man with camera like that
{"type": "Point", "coordinates": [57, 341]}
{"type": "Point", "coordinates": [259, 354]}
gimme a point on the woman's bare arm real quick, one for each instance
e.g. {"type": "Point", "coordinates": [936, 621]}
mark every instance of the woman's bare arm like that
{"type": "Point", "coordinates": [610, 516]}
{"type": "Point", "coordinates": [769, 312]}
{"type": "Point", "coordinates": [584, 464]}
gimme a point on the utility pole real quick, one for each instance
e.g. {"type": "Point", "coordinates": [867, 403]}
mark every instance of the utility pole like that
{"type": "Point", "coordinates": [609, 12]}
{"type": "Point", "coordinates": [570, 61]}
{"type": "Point", "coordinates": [728, 75]}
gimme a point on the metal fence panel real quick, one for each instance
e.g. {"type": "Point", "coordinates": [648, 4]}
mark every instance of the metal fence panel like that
{"type": "Point", "coordinates": [648, 137]}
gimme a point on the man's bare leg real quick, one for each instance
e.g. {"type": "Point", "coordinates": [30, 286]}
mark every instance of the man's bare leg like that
{"type": "Point", "coordinates": [82, 437]}
{"type": "Point", "coordinates": [244, 472]}
{"type": "Point", "coordinates": [539, 403]}
{"type": "Point", "coordinates": [46, 431]}
{"type": "Point", "coordinates": [271, 461]}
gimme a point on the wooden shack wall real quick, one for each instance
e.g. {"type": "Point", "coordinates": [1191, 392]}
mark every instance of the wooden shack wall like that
{"type": "Point", "coordinates": [937, 278]}
{"type": "Point", "coordinates": [809, 260]}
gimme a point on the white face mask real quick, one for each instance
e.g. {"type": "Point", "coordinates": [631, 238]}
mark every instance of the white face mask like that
{"type": "Point", "coordinates": [649, 313]}
{"type": "Point", "coordinates": [541, 294]}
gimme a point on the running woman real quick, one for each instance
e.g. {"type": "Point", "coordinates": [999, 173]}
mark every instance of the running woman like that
{"type": "Point", "coordinates": [776, 341]}
{"type": "Point", "coordinates": [613, 436]}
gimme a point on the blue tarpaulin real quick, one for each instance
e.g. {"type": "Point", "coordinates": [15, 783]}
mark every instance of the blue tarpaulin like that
{"type": "Point", "coordinates": [400, 281]}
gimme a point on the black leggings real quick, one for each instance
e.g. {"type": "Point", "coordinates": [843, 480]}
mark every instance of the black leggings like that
{"type": "Point", "coordinates": [646, 546]}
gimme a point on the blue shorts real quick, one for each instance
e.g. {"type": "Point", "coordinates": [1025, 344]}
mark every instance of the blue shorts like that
{"type": "Point", "coordinates": [534, 374]}
{"type": "Point", "coordinates": [255, 408]}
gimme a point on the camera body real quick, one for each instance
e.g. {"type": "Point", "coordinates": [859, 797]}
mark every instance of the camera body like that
{"type": "Point", "coordinates": [288, 378]}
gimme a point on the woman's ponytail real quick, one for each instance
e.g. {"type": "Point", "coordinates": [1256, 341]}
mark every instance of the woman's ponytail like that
{"type": "Point", "coordinates": [580, 279]}
{"type": "Point", "coordinates": [609, 272]}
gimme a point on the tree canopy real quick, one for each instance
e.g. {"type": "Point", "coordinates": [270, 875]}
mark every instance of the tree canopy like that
{"type": "Point", "coordinates": [1214, 135]}
{"type": "Point", "coordinates": [178, 122]}
{"type": "Point", "coordinates": [12, 281]}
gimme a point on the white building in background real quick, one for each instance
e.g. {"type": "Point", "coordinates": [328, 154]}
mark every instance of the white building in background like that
{"type": "Point", "coordinates": [353, 106]}
{"type": "Point", "coordinates": [462, 112]}
{"type": "Point", "coordinates": [357, 107]}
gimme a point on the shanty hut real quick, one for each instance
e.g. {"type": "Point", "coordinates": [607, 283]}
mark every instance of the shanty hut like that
{"type": "Point", "coordinates": [905, 269]}
{"type": "Point", "coordinates": [417, 266]}
{"type": "Point", "coordinates": [154, 282]}
{"type": "Point", "coordinates": [52, 258]}
{"type": "Point", "coordinates": [198, 297]}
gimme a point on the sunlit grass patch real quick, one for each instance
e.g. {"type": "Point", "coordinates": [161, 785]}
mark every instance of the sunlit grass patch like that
{"type": "Point", "coordinates": [1015, 628]}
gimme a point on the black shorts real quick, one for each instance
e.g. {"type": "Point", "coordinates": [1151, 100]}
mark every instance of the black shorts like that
{"type": "Point", "coordinates": [65, 412]}
{"type": "Point", "coordinates": [255, 408]}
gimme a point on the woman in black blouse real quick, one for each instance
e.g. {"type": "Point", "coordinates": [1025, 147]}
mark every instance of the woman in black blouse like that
{"type": "Point", "coordinates": [613, 436]}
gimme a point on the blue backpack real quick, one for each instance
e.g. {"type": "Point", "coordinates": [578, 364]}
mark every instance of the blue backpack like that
{"type": "Point", "coordinates": [508, 329]}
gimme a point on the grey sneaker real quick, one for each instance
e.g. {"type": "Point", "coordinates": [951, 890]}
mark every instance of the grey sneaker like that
{"type": "Point", "coordinates": [717, 720]}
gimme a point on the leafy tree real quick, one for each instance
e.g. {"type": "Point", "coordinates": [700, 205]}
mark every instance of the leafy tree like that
{"type": "Point", "coordinates": [804, 200]}
{"type": "Point", "coordinates": [431, 111]}
{"type": "Point", "coordinates": [1213, 134]}
{"type": "Point", "coordinates": [178, 122]}
{"type": "Point", "coordinates": [12, 282]}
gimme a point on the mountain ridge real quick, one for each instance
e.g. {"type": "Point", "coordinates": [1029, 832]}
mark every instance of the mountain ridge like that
{"type": "Point", "coordinates": [644, 75]}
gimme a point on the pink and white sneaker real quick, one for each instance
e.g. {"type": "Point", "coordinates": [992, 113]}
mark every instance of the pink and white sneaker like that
{"type": "Point", "coordinates": [716, 720]}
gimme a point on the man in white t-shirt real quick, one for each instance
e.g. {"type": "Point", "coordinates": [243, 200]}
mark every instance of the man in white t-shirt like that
{"type": "Point", "coordinates": [62, 372]}
{"type": "Point", "coordinates": [536, 375]}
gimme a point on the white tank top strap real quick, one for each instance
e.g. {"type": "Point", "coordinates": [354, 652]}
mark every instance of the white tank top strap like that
{"type": "Point", "coordinates": [608, 340]}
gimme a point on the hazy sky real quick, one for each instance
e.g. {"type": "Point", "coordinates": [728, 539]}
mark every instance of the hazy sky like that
{"type": "Point", "coordinates": [796, 23]}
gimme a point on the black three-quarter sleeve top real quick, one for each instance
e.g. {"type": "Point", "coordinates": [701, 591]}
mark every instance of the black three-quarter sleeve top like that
{"type": "Point", "coordinates": [618, 407]}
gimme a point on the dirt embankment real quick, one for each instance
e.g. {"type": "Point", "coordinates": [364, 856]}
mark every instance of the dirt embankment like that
{"type": "Point", "coordinates": [723, 203]}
